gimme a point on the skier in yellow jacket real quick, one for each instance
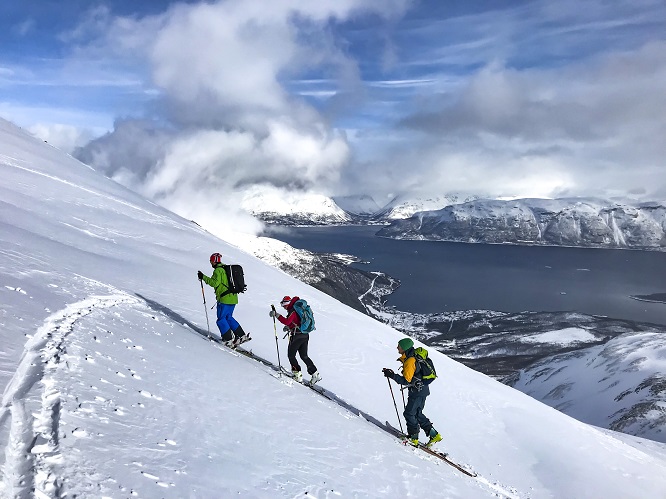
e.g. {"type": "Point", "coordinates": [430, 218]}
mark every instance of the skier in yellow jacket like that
{"type": "Point", "coordinates": [412, 376]}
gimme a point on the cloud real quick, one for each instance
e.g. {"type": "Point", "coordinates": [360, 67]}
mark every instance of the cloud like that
{"type": "Point", "coordinates": [592, 127]}
{"type": "Point", "coordinates": [230, 160]}
{"type": "Point", "coordinates": [65, 137]}
{"type": "Point", "coordinates": [64, 128]}
{"type": "Point", "coordinates": [24, 28]}
{"type": "Point", "coordinates": [226, 118]}
{"type": "Point", "coordinates": [228, 62]}
{"type": "Point", "coordinates": [171, 167]}
{"type": "Point", "coordinates": [533, 99]}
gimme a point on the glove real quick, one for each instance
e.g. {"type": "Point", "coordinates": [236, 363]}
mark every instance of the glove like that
{"type": "Point", "coordinates": [272, 313]}
{"type": "Point", "coordinates": [286, 329]}
{"type": "Point", "coordinates": [388, 372]}
{"type": "Point", "coordinates": [199, 274]}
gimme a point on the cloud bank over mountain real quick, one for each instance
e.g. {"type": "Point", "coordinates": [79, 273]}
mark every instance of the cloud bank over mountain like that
{"type": "Point", "coordinates": [217, 67]}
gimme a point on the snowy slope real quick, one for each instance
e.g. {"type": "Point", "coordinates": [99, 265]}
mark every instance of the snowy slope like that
{"type": "Point", "coordinates": [359, 205]}
{"type": "Point", "coordinates": [110, 392]}
{"type": "Point", "coordinates": [405, 206]}
{"type": "Point", "coordinates": [618, 385]}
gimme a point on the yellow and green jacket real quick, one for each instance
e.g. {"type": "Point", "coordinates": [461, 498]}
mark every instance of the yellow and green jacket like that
{"type": "Point", "coordinates": [411, 374]}
{"type": "Point", "coordinates": [219, 281]}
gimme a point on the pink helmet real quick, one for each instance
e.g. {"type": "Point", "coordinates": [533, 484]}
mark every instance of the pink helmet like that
{"type": "Point", "coordinates": [215, 258]}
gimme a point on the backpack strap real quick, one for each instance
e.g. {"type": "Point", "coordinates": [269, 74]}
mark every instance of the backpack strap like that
{"type": "Point", "coordinates": [224, 267]}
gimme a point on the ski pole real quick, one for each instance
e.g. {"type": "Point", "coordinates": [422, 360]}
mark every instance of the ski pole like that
{"type": "Point", "coordinates": [276, 339]}
{"type": "Point", "coordinates": [205, 306]}
{"type": "Point", "coordinates": [395, 405]}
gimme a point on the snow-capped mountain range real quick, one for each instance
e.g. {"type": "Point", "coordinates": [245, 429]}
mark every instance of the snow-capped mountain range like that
{"type": "Point", "coordinates": [296, 208]}
{"type": "Point", "coordinates": [109, 389]}
{"type": "Point", "coordinates": [563, 222]}
{"type": "Point", "coordinates": [581, 222]}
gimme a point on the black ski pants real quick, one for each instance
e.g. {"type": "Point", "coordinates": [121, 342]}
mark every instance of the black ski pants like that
{"type": "Point", "coordinates": [298, 342]}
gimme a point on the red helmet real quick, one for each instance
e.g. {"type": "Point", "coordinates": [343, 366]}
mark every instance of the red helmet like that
{"type": "Point", "coordinates": [215, 258]}
{"type": "Point", "coordinates": [285, 301]}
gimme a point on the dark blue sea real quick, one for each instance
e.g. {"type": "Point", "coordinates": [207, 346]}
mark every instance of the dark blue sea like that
{"type": "Point", "coordinates": [440, 276]}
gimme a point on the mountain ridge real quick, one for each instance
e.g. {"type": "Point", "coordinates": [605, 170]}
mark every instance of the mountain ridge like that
{"type": "Point", "coordinates": [572, 222]}
{"type": "Point", "coordinates": [577, 222]}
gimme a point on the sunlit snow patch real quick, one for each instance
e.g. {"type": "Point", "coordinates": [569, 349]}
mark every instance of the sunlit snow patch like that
{"type": "Point", "coordinates": [566, 336]}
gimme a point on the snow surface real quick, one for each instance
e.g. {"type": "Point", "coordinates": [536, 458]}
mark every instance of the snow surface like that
{"type": "Point", "coordinates": [617, 385]}
{"type": "Point", "coordinates": [403, 207]}
{"type": "Point", "coordinates": [567, 336]}
{"type": "Point", "coordinates": [110, 391]}
{"type": "Point", "coordinates": [360, 205]}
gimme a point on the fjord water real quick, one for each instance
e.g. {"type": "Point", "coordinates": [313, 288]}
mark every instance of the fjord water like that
{"type": "Point", "coordinates": [440, 276]}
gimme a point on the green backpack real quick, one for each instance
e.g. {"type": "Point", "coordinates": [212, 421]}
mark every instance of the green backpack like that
{"type": "Point", "coordinates": [427, 366]}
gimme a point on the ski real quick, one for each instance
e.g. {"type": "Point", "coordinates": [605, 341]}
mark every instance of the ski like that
{"type": "Point", "coordinates": [238, 351]}
{"type": "Point", "coordinates": [323, 392]}
{"type": "Point", "coordinates": [441, 455]}
{"type": "Point", "coordinates": [311, 384]}
{"type": "Point", "coordinates": [219, 341]}
{"type": "Point", "coordinates": [233, 346]}
{"type": "Point", "coordinates": [314, 387]}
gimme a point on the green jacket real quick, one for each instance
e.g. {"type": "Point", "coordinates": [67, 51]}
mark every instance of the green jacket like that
{"type": "Point", "coordinates": [219, 281]}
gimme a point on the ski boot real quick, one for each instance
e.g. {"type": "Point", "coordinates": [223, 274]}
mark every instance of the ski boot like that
{"type": "Point", "coordinates": [437, 437]}
{"type": "Point", "coordinates": [316, 377]}
{"type": "Point", "coordinates": [228, 338]}
{"type": "Point", "coordinates": [241, 339]}
{"type": "Point", "coordinates": [411, 441]}
{"type": "Point", "coordinates": [297, 375]}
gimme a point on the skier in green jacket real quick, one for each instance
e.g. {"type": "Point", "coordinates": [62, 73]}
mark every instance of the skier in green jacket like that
{"type": "Point", "coordinates": [231, 331]}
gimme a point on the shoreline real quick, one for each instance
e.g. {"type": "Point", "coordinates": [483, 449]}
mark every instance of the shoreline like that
{"type": "Point", "coordinates": [653, 298]}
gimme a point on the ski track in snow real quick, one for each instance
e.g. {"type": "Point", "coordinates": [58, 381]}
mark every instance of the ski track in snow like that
{"type": "Point", "coordinates": [33, 446]}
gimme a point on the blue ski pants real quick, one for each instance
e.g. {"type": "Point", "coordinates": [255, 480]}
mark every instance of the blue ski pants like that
{"type": "Point", "coordinates": [225, 320]}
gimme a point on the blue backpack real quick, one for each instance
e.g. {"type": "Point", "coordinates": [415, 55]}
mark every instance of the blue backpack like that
{"type": "Point", "coordinates": [304, 311]}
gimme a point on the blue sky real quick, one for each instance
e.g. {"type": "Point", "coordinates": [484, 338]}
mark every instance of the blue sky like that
{"type": "Point", "coordinates": [498, 98]}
